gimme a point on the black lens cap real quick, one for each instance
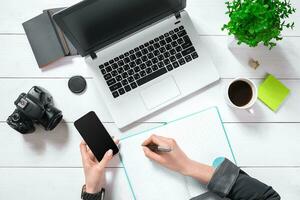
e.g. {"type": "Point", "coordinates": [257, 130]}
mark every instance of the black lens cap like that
{"type": "Point", "coordinates": [77, 84]}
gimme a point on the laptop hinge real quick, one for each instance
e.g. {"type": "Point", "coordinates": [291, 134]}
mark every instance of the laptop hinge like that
{"type": "Point", "coordinates": [178, 15]}
{"type": "Point", "coordinates": [93, 55]}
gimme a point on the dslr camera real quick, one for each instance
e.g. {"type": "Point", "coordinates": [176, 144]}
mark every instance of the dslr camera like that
{"type": "Point", "coordinates": [36, 106]}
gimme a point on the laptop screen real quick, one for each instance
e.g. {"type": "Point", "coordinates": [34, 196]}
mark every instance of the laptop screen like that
{"type": "Point", "coordinates": [93, 24]}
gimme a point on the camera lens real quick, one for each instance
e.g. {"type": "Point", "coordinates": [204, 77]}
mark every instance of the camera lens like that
{"type": "Point", "coordinates": [52, 118]}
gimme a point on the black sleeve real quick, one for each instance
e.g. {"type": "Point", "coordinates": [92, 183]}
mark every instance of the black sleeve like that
{"type": "Point", "coordinates": [231, 182]}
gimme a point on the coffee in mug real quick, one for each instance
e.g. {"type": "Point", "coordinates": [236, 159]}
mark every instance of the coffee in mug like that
{"type": "Point", "coordinates": [242, 94]}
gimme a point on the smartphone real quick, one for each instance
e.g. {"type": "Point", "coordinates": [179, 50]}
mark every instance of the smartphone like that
{"type": "Point", "coordinates": [95, 135]}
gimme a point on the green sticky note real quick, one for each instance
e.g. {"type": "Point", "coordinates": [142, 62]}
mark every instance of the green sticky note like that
{"type": "Point", "coordinates": [272, 92]}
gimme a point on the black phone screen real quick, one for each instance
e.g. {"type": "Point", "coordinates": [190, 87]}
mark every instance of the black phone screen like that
{"type": "Point", "coordinates": [95, 135]}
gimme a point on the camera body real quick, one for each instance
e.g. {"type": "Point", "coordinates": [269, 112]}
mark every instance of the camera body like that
{"type": "Point", "coordinates": [36, 106]}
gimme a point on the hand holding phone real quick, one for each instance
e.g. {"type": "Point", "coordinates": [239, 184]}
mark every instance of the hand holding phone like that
{"type": "Point", "coordinates": [95, 135]}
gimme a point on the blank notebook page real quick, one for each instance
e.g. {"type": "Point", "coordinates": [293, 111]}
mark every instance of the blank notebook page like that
{"type": "Point", "coordinates": [202, 138]}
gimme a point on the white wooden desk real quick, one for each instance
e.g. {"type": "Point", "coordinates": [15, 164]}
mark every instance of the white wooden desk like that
{"type": "Point", "coordinates": [48, 166]}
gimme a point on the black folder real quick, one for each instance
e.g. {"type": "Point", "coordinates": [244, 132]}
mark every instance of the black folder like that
{"type": "Point", "coordinates": [47, 41]}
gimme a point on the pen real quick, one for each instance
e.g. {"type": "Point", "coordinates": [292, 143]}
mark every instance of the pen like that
{"type": "Point", "coordinates": [158, 149]}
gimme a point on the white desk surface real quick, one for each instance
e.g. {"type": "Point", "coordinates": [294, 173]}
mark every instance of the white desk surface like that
{"type": "Point", "coordinates": [48, 165]}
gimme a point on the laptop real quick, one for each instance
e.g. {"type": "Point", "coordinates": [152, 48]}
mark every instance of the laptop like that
{"type": "Point", "coordinates": [143, 54]}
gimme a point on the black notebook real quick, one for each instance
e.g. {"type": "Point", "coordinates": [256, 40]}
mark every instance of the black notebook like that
{"type": "Point", "coordinates": [47, 41]}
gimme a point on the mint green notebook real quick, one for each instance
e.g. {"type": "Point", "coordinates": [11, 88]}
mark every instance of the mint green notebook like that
{"type": "Point", "coordinates": [202, 137]}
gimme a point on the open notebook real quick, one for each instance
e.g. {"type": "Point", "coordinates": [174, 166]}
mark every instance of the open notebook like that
{"type": "Point", "coordinates": [200, 135]}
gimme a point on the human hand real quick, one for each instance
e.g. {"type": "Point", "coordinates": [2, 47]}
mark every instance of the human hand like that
{"type": "Point", "coordinates": [93, 170]}
{"type": "Point", "coordinates": [175, 160]}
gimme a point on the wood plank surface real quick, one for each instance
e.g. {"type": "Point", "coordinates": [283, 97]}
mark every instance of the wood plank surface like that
{"type": "Point", "coordinates": [58, 148]}
{"type": "Point", "coordinates": [57, 183]}
{"type": "Point", "coordinates": [271, 144]}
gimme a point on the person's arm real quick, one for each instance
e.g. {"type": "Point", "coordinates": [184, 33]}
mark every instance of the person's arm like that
{"type": "Point", "coordinates": [231, 182]}
{"type": "Point", "coordinates": [227, 180]}
{"type": "Point", "coordinates": [94, 172]}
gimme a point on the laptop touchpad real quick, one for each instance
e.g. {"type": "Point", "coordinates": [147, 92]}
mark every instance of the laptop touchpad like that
{"type": "Point", "coordinates": [160, 93]}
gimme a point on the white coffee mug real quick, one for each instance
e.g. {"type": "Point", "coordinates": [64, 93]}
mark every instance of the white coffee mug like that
{"type": "Point", "coordinates": [250, 104]}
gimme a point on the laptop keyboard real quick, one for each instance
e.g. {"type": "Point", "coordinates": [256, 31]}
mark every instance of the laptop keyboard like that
{"type": "Point", "coordinates": [148, 61]}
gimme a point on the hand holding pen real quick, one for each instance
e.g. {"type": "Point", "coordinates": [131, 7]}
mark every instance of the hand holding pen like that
{"type": "Point", "coordinates": [166, 152]}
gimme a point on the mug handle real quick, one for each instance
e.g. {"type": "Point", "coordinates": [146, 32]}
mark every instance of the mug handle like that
{"type": "Point", "coordinates": [251, 111]}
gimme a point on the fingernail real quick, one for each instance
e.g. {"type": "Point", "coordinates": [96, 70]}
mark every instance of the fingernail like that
{"type": "Point", "coordinates": [109, 153]}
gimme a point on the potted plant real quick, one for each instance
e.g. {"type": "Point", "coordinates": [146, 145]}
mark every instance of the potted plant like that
{"type": "Point", "coordinates": [258, 21]}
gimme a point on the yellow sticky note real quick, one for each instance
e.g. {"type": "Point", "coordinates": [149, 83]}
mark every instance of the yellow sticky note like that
{"type": "Point", "coordinates": [272, 92]}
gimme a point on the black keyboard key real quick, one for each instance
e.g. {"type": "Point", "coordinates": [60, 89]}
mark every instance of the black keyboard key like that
{"type": "Point", "coordinates": [175, 64]}
{"type": "Point", "coordinates": [172, 32]}
{"type": "Point", "coordinates": [156, 45]}
{"type": "Point", "coordinates": [151, 41]}
{"type": "Point", "coordinates": [142, 46]}
{"type": "Point", "coordinates": [160, 57]}
{"type": "Point", "coordinates": [188, 58]}
{"type": "Point", "coordinates": [166, 34]}
{"type": "Point", "coordinates": [116, 59]}
{"type": "Point", "coordinates": [115, 86]}
{"type": "Point", "coordinates": [174, 44]}
{"type": "Point", "coordinates": [124, 82]}
{"type": "Point", "coordinates": [121, 63]}
{"type": "Point", "coordinates": [111, 61]}
{"type": "Point", "coordinates": [161, 37]}
{"type": "Point", "coordinates": [119, 78]}
{"type": "Point", "coordinates": [181, 33]}
{"type": "Point", "coordinates": [162, 49]}
{"type": "Point", "coordinates": [178, 48]}
{"type": "Point", "coordinates": [168, 40]}
{"type": "Point", "coordinates": [127, 88]}
{"type": "Point", "coordinates": [120, 70]}
{"type": "Point", "coordinates": [172, 51]}
{"type": "Point", "coordinates": [133, 85]}
{"type": "Point", "coordinates": [151, 76]}
{"type": "Point", "coordinates": [101, 66]}
{"type": "Point", "coordinates": [156, 52]}
{"type": "Point", "coordinates": [126, 67]}
{"type": "Point", "coordinates": [130, 79]}
{"type": "Point", "coordinates": [136, 76]}
{"type": "Point", "coordinates": [121, 56]}
{"type": "Point", "coordinates": [143, 73]}
{"type": "Point", "coordinates": [115, 94]}
{"type": "Point", "coordinates": [137, 69]}
{"type": "Point", "coordinates": [114, 66]}
{"type": "Point", "coordinates": [154, 67]}
{"type": "Point", "coordinates": [149, 70]}
{"type": "Point", "coordinates": [145, 51]}
{"type": "Point", "coordinates": [195, 55]}
{"type": "Point", "coordinates": [108, 69]}
{"type": "Point", "coordinates": [143, 66]}
{"type": "Point", "coordinates": [156, 39]}
{"type": "Point", "coordinates": [111, 82]}
{"type": "Point", "coordinates": [188, 51]}
{"type": "Point", "coordinates": [114, 73]}
{"type": "Point", "coordinates": [181, 61]}
{"type": "Point", "coordinates": [144, 58]}
{"type": "Point", "coordinates": [132, 57]}
{"type": "Point", "coordinates": [174, 37]}
{"type": "Point", "coordinates": [103, 71]}
{"type": "Point", "coordinates": [132, 64]}
{"type": "Point", "coordinates": [172, 58]}
{"type": "Point", "coordinates": [186, 38]}
{"type": "Point", "coordinates": [138, 54]}
{"type": "Point", "coordinates": [138, 61]}
{"type": "Point", "coordinates": [180, 41]}
{"type": "Point", "coordinates": [125, 75]}
{"type": "Point", "coordinates": [121, 91]}
{"type": "Point", "coordinates": [126, 60]}
{"type": "Point", "coordinates": [106, 64]}
{"type": "Point", "coordinates": [151, 48]}
{"type": "Point", "coordinates": [154, 60]}
{"type": "Point", "coordinates": [107, 76]}
{"type": "Point", "coordinates": [167, 54]}
{"type": "Point", "coordinates": [150, 55]}
{"type": "Point", "coordinates": [126, 54]}
{"type": "Point", "coordinates": [148, 63]}
{"type": "Point", "coordinates": [162, 42]}
{"type": "Point", "coordinates": [136, 49]}
{"type": "Point", "coordinates": [178, 55]}
{"type": "Point", "coordinates": [168, 46]}
{"type": "Point", "coordinates": [160, 64]}
{"type": "Point", "coordinates": [176, 29]}
{"type": "Point", "coordinates": [131, 51]}
{"type": "Point", "coordinates": [169, 67]}
{"type": "Point", "coordinates": [186, 45]}
{"type": "Point", "coordinates": [181, 27]}
{"type": "Point", "coordinates": [166, 61]}
{"type": "Point", "coordinates": [130, 72]}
